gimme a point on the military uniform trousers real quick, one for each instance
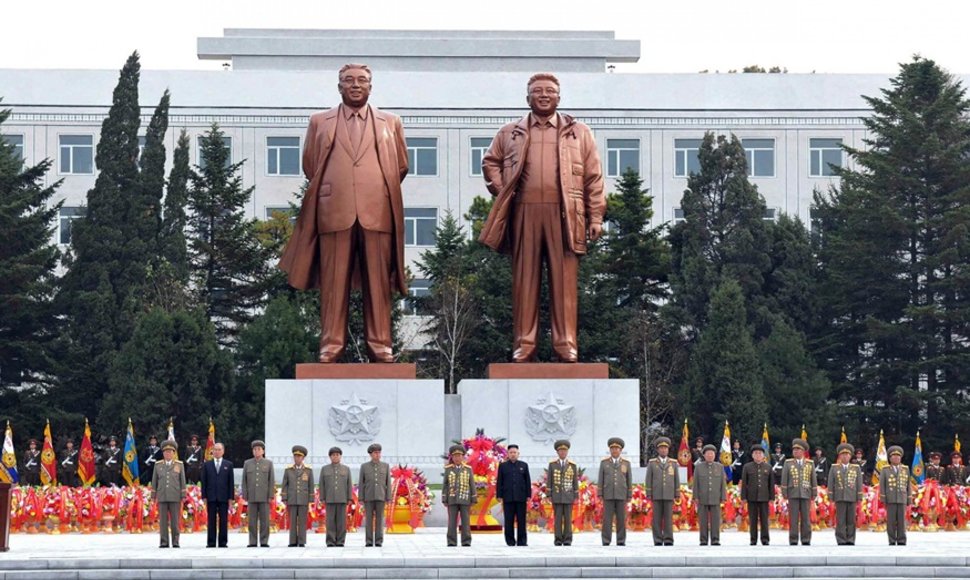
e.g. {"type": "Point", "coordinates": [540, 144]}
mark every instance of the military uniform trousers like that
{"type": "Point", "coordinates": [372, 250]}
{"type": "Point", "coordinates": [845, 522]}
{"type": "Point", "coordinates": [799, 522]}
{"type": "Point", "coordinates": [454, 512]}
{"type": "Point", "coordinates": [336, 524]}
{"type": "Point", "coordinates": [258, 513]}
{"type": "Point", "coordinates": [614, 508]}
{"type": "Point", "coordinates": [709, 518]}
{"type": "Point", "coordinates": [758, 521]}
{"type": "Point", "coordinates": [515, 514]}
{"type": "Point", "coordinates": [298, 516]}
{"type": "Point", "coordinates": [373, 523]}
{"type": "Point", "coordinates": [538, 235]}
{"type": "Point", "coordinates": [562, 516]}
{"type": "Point", "coordinates": [169, 513]}
{"type": "Point", "coordinates": [896, 523]}
{"type": "Point", "coordinates": [662, 523]}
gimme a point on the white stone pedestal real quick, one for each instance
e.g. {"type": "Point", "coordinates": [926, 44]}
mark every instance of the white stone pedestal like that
{"type": "Point", "coordinates": [535, 412]}
{"type": "Point", "coordinates": [406, 417]}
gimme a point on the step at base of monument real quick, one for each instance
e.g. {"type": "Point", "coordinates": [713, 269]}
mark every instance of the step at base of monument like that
{"type": "Point", "coordinates": [465, 568]}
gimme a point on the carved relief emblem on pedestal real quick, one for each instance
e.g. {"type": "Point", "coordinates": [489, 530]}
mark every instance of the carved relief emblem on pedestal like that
{"type": "Point", "coordinates": [354, 421]}
{"type": "Point", "coordinates": [549, 419]}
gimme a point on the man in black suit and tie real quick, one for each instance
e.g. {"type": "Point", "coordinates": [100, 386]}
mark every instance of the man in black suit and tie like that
{"type": "Point", "coordinates": [218, 489]}
{"type": "Point", "coordinates": [514, 488]}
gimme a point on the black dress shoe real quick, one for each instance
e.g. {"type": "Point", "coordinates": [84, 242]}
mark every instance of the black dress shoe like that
{"type": "Point", "coordinates": [668, 543]}
{"type": "Point", "coordinates": [703, 543]}
{"type": "Point", "coordinates": [368, 545]}
{"type": "Point", "coordinates": [792, 543]}
{"type": "Point", "coordinates": [466, 545]}
{"type": "Point", "coordinates": [378, 544]}
{"type": "Point", "coordinates": [292, 545]}
{"type": "Point", "coordinates": [251, 546]}
{"type": "Point", "coordinates": [806, 543]}
{"type": "Point", "coordinates": [223, 546]}
{"type": "Point", "coordinates": [340, 545]}
{"type": "Point", "coordinates": [754, 543]}
{"type": "Point", "coordinates": [163, 545]}
{"type": "Point", "coordinates": [175, 545]}
{"type": "Point", "coordinates": [301, 545]}
{"type": "Point", "coordinates": [567, 543]}
{"type": "Point", "coordinates": [558, 543]}
{"type": "Point", "coordinates": [658, 543]}
{"type": "Point", "coordinates": [890, 543]}
{"type": "Point", "coordinates": [264, 545]}
{"type": "Point", "coordinates": [607, 543]}
{"type": "Point", "coordinates": [621, 543]}
{"type": "Point", "coordinates": [897, 543]}
{"type": "Point", "coordinates": [764, 543]}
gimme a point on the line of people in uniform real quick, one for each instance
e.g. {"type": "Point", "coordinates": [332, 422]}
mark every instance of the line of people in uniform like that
{"type": "Point", "coordinates": [108, 460]}
{"type": "Point", "coordinates": [797, 480]}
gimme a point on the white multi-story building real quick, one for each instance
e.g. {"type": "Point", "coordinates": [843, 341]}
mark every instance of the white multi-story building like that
{"type": "Point", "coordinates": [453, 90]}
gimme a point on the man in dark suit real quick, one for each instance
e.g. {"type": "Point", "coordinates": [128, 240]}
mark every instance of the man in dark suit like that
{"type": "Point", "coordinates": [514, 488]}
{"type": "Point", "coordinates": [218, 489]}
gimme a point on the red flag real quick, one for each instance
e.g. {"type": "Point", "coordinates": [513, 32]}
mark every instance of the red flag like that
{"type": "Point", "coordinates": [48, 461]}
{"type": "Point", "coordinates": [210, 441]}
{"type": "Point", "coordinates": [683, 454]}
{"type": "Point", "coordinates": [86, 469]}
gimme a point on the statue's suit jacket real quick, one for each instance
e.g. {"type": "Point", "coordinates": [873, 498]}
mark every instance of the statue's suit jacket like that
{"type": "Point", "coordinates": [324, 206]}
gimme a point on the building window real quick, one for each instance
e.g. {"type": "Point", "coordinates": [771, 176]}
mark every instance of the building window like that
{"type": "Point", "coordinates": [283, 155]}
{"type": "Point", "coordinates": [686, 157]}
{"type": "Point", "coordinates": [761, 157]}
{"type": "Point", "coordinates": [417, 288]}
{"type": "Point", "coordinates": [678, 215]}
{"type": "Point", "coordinates": [226, 142]}
{"type": "Point", "coordinates": [281, 209]}
{"type": "Point", "coordinates": [771, 214]}
{"type": "Point", "coordinates": [621, 155]}
{"type": "Point", "coordinates": [141, 146]}
{"type": "Point", "coordinates": [479, 146]}
{"type": "Point", "coordinates": [826, 156]}
{"type": "Point", "coordinates": [423, 155]}
{"type": "Point", "coordinates": [68, 215]}
{"type": "Point", "coordinates": [77, 154]}
{"type": "Point", "coordinates": [420, 224]}
{"type": "Point", "coordinates": [17, 142]}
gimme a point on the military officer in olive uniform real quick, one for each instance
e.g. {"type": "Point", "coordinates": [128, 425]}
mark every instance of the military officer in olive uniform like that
{"type": "Point", "coordinates": [758, 489]}
{"type": "Point", "coordinates": [799, 487]}
{"type": "Point", "coordinates": [297, 493]}
{"type": "Point", "coordinates": [663, 487]}
{"type": "Point", "coordinates": [562, 479]}
{"type": "Point", "coordinates": [616, 489]}
{"type": "Point", "coordinates": [710, 490]}
{"type": "Point", "coordinates": [336, 487]}
{"type": "Point", "coordinates": [845, 489]}
{"type": "Point", "coordinates": [258, 487]}
{"type": "Point", "coordinates": [956, 472]}
{"type": "Point", "coordinates": [168, 489]}
{"type": "Point", "coordinates": [895, 493]}
{"type": "Point", "coordinates": [458, 494]}
{"type": "Point", "coordinates": [934, 470]}
{"type": "Point", "coordinates": [375, 492]}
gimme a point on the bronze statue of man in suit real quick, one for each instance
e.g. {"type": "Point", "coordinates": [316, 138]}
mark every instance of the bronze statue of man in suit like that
{"type": "Point", "coordinates": [545, 173]}
{"type": "Point", "coordinates": [350, 231]}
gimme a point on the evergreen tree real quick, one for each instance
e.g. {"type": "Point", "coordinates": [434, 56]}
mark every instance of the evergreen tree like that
{"type": "Point", "coordinates": [171, 239]}
{"type": "Point", "coordinates": [229, 267]}
{"type": "Point", "coordinates": [171, 367]}
{"type": "Point", "coordinates": [895, 250]}
{"type": "Point", "coordinates": [106, 270]}
{"type": "Point", "coordinates": [723, 235]}
{"type": "Point", "coordinates": [451, 305]}
{"type": "Point", "coordinates": [146, 209]}
{"type": "Point", "coordinates": [28, 260]}
{"type": "Point", "coordinates": [724, 380]}
{"type": "Point", "coordinates": [269, 347]}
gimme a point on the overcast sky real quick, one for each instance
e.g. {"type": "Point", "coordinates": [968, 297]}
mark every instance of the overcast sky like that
{"type": "Point", "coordinates": [839, 36]}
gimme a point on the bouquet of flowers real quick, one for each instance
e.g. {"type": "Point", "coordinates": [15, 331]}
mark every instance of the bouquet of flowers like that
{"type": "Point", "coordinates": [411, 492]}
{"type": "Point", "coordinates": [638, 508]}
{"type": "Point", "coordinates": [537, 508]}
{"type": "Point", "coordinates": [483, 454]}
